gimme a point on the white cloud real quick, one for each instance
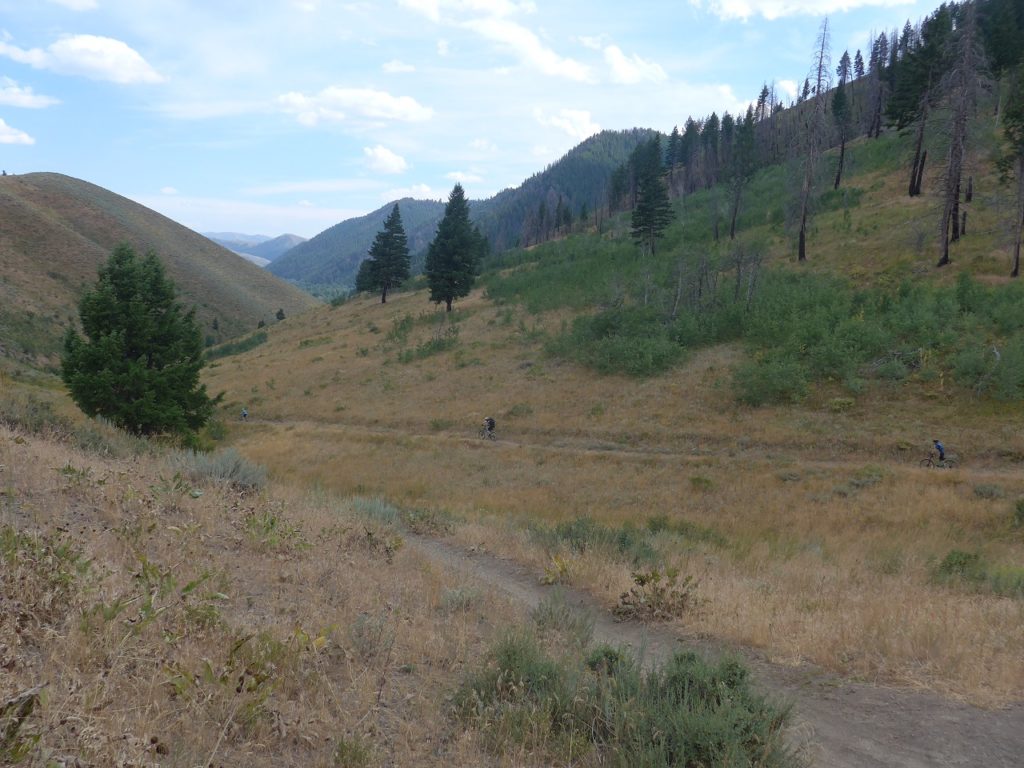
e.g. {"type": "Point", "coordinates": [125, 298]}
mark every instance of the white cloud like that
{"type": "Point", "coordinates": [630, 70]}
{"type": "Point", "coordinates": [464, 178]}
{"type": "Point", "coordinates": [788, 87]}
{"type": "Point", "coordinates": [92, 56]}
{"type": "Point", "coordinates": [336, 104]}
{"type": "Point", "coordinates": [383, 160]}
{"type": "Point", "coordinates": [528, 47]}
{"type": "Point", "coordinates": [775, 9]}
{"type": "Point", "coordinates": [168, 191]}
{"type": "Point", "coordinates": [595, 43]}
{"type": "Point", "coordinates": [13, 95]}
{"type": "Point", "coordinates": [443, 48]}
{"type": "Point", "coordinates": [432, 8]}
{"type": "Point", "coordinates": [77, 5]}
{"type": "Point", "coordinates": [483, 145]}
{"type": "Point", "coordinates": [396, 66]}
{"type": "Point", "coordinates": [577, 123]}
{"type": "Point", "coordinates": [11, 135]}
{"type": "Point", "coordinates": [318, 185]}
{"type": "Point", "coordinates": [417, 191]}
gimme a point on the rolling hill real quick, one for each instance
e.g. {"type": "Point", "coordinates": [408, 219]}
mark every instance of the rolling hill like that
{"type": "Point", "coordinates": [264, 249]}
{"type": "Point", "coordinates": [56, 232]}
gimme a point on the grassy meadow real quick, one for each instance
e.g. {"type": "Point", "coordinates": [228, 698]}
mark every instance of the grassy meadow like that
{"type": "Point", "coordinates": [809, 527]}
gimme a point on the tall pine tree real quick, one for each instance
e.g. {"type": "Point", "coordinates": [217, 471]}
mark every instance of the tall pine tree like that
{"type": "Point", "coordinates": [653, 211]}
{"type": "Point", "coordinates": [453, 255]}
{"type": "Point", "coordinates": [389, 258]}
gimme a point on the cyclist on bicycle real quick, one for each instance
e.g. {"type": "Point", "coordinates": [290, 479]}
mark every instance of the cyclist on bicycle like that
{"type": "Point", "coordinates": [489, 425]}
{"type": "Point", "coordinates": [941, 449]}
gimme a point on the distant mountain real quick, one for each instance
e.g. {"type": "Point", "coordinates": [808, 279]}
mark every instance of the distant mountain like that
{"type": "Point", "coordinates": [333, 256]}
{"type": "Point", "coordinates": [57, 231]}
{"type": "Point", "coordinates": [235, 237]}
{"type": "Point", "coordinates": [508, 219]}
{"type": "Point", "coordinates": [263, 248]}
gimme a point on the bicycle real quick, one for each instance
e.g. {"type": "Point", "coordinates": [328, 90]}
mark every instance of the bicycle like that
{"type": "Point", "coordinates": [932, 461]}
{"type": "Point", "coordinates": [487, 434]}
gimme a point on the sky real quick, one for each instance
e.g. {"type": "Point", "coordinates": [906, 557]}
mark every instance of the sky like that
{"type": "Point", "coordinates": [288, 116]}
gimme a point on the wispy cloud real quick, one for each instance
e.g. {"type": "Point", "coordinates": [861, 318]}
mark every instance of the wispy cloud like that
{"type": "Point", "coordinates": [395, 66]}
{"type": "Point", "coordinates": [77, 5]}
{"type": "Point", "coordinates": [577, 123]}
{"type": "Point", "coordinates": [417, 191]}
{"type": "Point", "coordinates": [317, 185]}
{"type": "Point", "coordinates": [168, 191]}
{"type": "Point", "coordinates": [11, 135]}
{"type": "Point", "coordinates": [337, 104]}
{"type": "Point", "coordinates": [13, 95]}
{"type": "Point", "coordinates": [630, 70]}
{"type": "Point", "coordinates": [776, 9]}
{"type": "Point", "coordinates": [433, 9]}
{"type": "Point", "coordinates": [383, 160]}
{"type": "Point", "coordinates": [92, 56]}
{"type": "Point", "coordinates": [464, 178]}
{"type": "Point", "coordinates": [524, 44]}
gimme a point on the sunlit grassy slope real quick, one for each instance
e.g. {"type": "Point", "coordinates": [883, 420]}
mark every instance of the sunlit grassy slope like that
{"type": "Point", "coordinates": [58, 230]}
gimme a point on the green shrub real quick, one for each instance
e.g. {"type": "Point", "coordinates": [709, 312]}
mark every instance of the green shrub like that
{"type": "Point", "coordinates": [554, 614]}
{"type": "Point", "coordinates": [989, 491]}
{"type": "Point", "coordinates": [1018, 513]}
{"type": "Point", "coordinates": [686, 713]}
{"type": "Point", "coordinates": [960, 566]}
{"type": "Point", "coordinates": [773, 379]}
{"type": "Point", "coordinates": [32, 415]}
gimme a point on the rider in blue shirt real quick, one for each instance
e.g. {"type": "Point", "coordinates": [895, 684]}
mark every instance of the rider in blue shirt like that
{"type": "Point", "coordinates": [941, 449]}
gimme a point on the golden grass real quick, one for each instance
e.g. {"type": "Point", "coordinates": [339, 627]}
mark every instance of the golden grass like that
{"type": "Point", "coordinates": [818, 564]}
{"type": "Point", "coordinates": [190, 632]}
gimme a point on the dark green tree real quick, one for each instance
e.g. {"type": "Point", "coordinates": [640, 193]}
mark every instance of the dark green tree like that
{"type": "Point", "coordinates": [653, 211]}
{"type": "Point", "coordinates": [453, 255]}
{"type": "Point", "coordinates": [365, 280]}
{"type": "Point", "coordinates": [843, 117]}
{"type": "Point", "coordinates": [138, 364]}
{"type": "Point", "coordinates": [389, 258]}
{"type": "Point", "coordinates": [742, 166]}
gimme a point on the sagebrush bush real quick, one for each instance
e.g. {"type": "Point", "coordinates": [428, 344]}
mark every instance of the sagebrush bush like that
{"type": "Point", "coordinates": [225, 466]}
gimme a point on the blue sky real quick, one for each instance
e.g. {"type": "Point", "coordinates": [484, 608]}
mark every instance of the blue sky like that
{"type": "Point", "coordinates": [274, 116]}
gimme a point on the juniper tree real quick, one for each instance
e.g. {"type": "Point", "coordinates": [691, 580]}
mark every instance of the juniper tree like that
{"type": "Point", "coordinates": [139, 361]}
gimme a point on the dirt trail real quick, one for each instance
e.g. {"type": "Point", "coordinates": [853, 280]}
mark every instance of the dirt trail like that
{"type": "Point", "coordinates": [837, 724]}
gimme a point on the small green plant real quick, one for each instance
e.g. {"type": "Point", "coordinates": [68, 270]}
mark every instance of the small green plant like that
{"type": "Point", "coordinates": [270, 530]}
{"type": "Point", "coordinates": [700, 483]}
{"type": "Point", "coordinates": [1018, 513]}
{"type": "Point", "coordinates": [371, 635]}
{"type": "Point", "coordinates": [237, 347]}
{"type": "Point", "coordinates": [989, 491]}
{"type": "Point", "coordinates": [224, 466]}
{"type": "Point", "coordinates": [352, 752]}
{"type": "Point", "coordinates": [554, 615]}
{"type": "Point", "coordinates": [458, 599]}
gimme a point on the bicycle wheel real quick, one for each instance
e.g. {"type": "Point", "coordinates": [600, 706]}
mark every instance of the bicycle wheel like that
{"type": "Point", "coordinates": [926, 463]}
{"type": "Point", "coordinates": [949, 463]}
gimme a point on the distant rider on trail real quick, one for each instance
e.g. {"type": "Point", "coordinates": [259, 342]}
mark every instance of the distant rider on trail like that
{"type": "Point", "coordinates": [941, 449]}
{"type": "Point", "coordinates": [489, 424]}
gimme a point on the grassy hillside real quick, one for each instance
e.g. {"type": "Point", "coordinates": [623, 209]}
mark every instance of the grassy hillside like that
{"type": "Point", "coordinates": [58, 230]}
{"type": "Point", "coordinates": [807, 523]}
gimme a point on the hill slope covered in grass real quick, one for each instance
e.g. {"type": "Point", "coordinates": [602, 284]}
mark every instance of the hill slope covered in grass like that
{"type": "Point", "coordinates": [628, 442]}
{"type": "Point", "coordinates": [58, 230]}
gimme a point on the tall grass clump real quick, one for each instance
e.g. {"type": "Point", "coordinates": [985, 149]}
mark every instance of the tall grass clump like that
{"type": "Point", "coordinates": [602, 705]}
{"type": "Point", "coordinates": [626, 543]}
{"type": "Point", "coordinates": [226, 466]}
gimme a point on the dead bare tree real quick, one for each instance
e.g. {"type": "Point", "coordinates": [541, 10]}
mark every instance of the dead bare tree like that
{"type": "Point", "coordinates": [815, 131]}
{"type": "Point", "coordinates": [961, 87]}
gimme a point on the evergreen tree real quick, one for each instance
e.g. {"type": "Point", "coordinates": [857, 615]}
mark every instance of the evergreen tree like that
{"type": "Point", "coordinates": [858, 65]}
{"type": "Point", "coordinates": [453, 255]}
{"type": "Point", "coordinates": [842, 115]}
{"type": "Point", "coordinates": [138, 364]}
{"type": "Point", "coordinates": [365, 279]}
{"type": "Point", "coordinates": [743, 165]}
{"type": "Point", "coordinates": [389, 257]}
{"type": "Point", "coordinates": [653, 211]}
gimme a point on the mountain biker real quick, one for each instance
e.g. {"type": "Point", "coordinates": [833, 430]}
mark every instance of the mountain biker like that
{"type": "Point", "coordinates": [245, 414]}
{"type": "Point", "coordinates": [489, 424]}
{"type": "Point", "coordinates": [941, 449]}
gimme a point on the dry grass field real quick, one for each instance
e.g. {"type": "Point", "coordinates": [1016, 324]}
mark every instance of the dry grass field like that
{"type": "Point", "coordinates": [812, 531]}
{"type": "Point", "coordinates": [182, 623]}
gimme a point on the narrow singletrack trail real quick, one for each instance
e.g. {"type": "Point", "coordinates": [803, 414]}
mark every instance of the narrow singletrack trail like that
{"type": "Point", "coordinates": [837, 724]}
